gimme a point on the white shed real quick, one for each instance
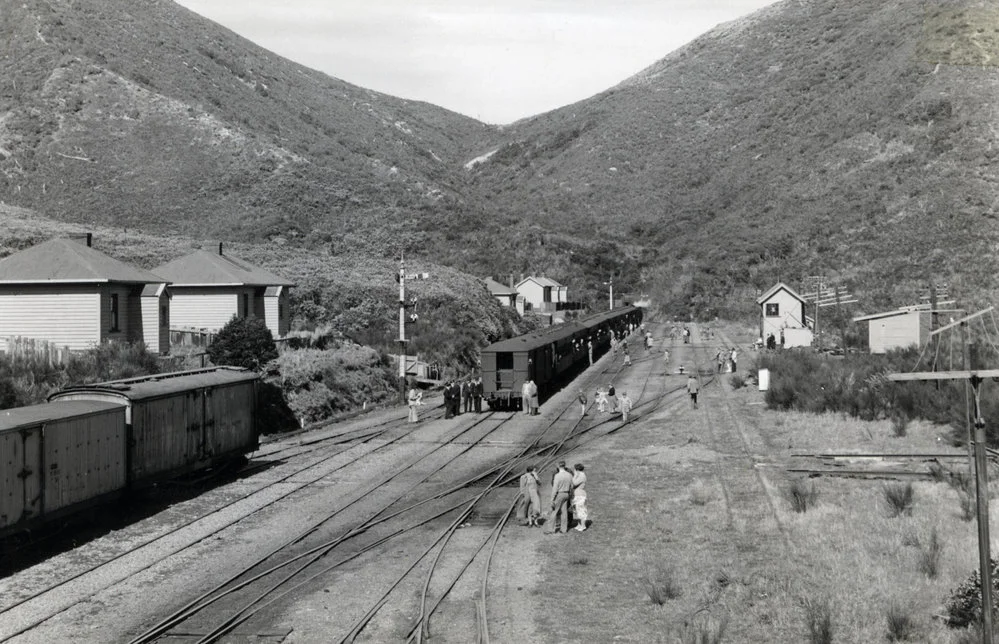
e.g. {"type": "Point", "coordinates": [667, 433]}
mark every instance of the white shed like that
{"type": "Point", "coordinates": [901, 328]}
{"type": "Point", "coordinates": [542, 293]}
{"type": "Point", "coordinates": [782, 313]}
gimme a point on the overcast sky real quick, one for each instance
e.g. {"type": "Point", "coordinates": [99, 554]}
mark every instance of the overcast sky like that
{"type": "Point", "coordinates": [496, 62]}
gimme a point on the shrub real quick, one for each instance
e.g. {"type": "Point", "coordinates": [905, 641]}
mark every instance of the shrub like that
{"type": "Point", "coordinates": [802, 495]}
{"type": "Point", "coordinates": [661, 584]}
{"type": "Point", "coordinates": [737, 381]}
{"type": "Point", "coordinates": [901, 625]}
{"type": "Point", "coordinates": [964, 606]}
{"type": "Point", "coordinates": [899, 424]}
{"type": "Point", "coordinates": [243, 342]}
{"type": "Point", "coordinates": [700, 494]}
{"type": "Point", "coordinates": [702, 631]}
{"type": "Point", "coordinates": [929, 555]}
{"type": "Point", "coordinates": [818, 620]}
{"type": "Point", "coordinates": [899, 497]}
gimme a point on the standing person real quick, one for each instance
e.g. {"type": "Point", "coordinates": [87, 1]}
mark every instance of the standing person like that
{"type": "Point", "coordinates": [734, 354]}
{"type": "Point", "coordinates": [589, 350]}
{"type": "Point", "coordinates": [612, 398]}
{"type": "Point", "coordinates": [579, 496]}
{"type": "Point", "coordinates": [666, 359]}
{"type": "Point", "coordinates": [448, 408]}
{"type": "Point", "coordinates": [692, 388]}
{"type": "Point", "coordinates": [582, 402]}
{"type": "Point", "coordinates": [561, 487]}
{"type": "Point", "coordinates": [601, 398]}
{"type": "Point", "coordinates": [625, 404]}
{"type": "Point", "coordinates": [525, 397]}
{"type": "Point", "coordinates": [466, 395]}
{"type": "Point", "coordinates": [529, 503]}
{"type": "Point", "coordinates": [477, 395]}
{"type": "Point", "coordinates": [415, 399]}
{"type": "Point", "coordinates": [613, 343]}
{"type": "Point", "coordinates": [771, 342]}
{"type": "Point", "coordinates": [535, 403]}
{"type": "Point", "coordinates": [720, 360]}
{"type": "Point", "coordinates": [627, 358]}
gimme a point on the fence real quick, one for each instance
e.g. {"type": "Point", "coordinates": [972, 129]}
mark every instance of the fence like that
{"type": "Point", "coordinates": [36, 350]}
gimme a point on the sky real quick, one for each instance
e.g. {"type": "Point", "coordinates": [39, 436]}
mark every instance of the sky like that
{"type": "Point", "coordinates": [494, 61]}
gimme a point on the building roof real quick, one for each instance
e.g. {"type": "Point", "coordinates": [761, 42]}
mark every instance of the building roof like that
{"type": "Point", "coordinates": [495, 288]}
{"type": "Point", "coordinates": [202, 268]}
{"type": "Point", "coordinates": [542, 281]}
{"type": "Point", "coordinates": [903, 311]}
{"type": "Point", "coordinates": [773, 291]}
{"type": "Point", "coordinates": [66, 261]}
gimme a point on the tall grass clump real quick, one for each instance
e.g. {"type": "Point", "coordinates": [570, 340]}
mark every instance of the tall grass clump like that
{"type": "Point", "coordinates": [737, 380]}
{"type": "Point", "coordinates": [901, 624]}
{"type": "Point", "coordinates": [802, 495]}
{"type": "Point", "coordinates": [700, 494]}
{"type": "Point", "coordinates": [899, 497]}
{"type": "Point", "coordinates": [899, 424]}
{"type": "Point", "coordinates": [930, 554]}
{"type": "Point", "coordinates": [702, 630]}
{"type": "Point", "coordinates": [818, 620]}
{"type": "Point", "coordinates": [661, 584]}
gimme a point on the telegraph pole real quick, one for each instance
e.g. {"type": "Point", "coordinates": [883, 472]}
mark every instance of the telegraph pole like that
{"type": "Point", "coordinates": [403, 304]}
{"type": "Point", "coordinates": [611, 296]}
{"type": "Point", "coordinates": [974, 378]}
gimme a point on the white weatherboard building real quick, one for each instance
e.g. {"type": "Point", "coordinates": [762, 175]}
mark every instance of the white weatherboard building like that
{"type": "Point", "coordinates": [212, 288]}
{"type": "Point", "coordinates": [543, 294]}
{"type": "Point", "coordinates": [507, 295]}
{"type": "Point", "coordinates": [782, 312]}
{"type": "Point", "coordinates": [904, 327]}
{"type": "Point", "coordinates": [65, 292]}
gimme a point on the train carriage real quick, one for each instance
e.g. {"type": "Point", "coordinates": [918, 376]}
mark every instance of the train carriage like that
{"type": "Point", "coordinates": [57, 458]}
{"type": "Point", "coordinates": [550, 357]}
{"type": "Point", "coordinates": [181, 421]}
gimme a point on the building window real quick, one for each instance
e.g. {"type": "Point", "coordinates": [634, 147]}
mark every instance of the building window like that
{"type": "Point", "coordinates": [504, 360]}
{"type": "Point", "coordinates": [114, 313]}
{"type": "Point", "coordinates": [246, 305]}
{"type": "Point", "coordinates": [772, 310]}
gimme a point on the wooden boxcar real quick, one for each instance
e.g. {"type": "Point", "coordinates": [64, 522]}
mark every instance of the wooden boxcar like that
{"type": "Point", "coordinates": [548, 357]}
{"type": "Point", "coordinates": [57, 458]}
{"type": "Point", "coordinates": [181, 421]}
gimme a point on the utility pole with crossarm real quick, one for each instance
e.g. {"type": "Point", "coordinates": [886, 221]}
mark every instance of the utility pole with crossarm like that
{"type": "Point", "coordinates": [976, 435]}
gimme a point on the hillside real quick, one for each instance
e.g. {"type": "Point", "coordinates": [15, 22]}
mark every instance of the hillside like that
{"type": "Point", "coordinates": [150, 116]}
{"type": "Point", "coordinates": [848, 138]}
{"type": "Point", "coordinates": [854, 139]}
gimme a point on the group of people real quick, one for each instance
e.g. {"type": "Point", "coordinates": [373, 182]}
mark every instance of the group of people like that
{"type": "Point", "coordinates": [568, 497]}
{"type": "Point", "coordinates": [529, 398]}
{"type": "Point", "coordinates": [462, 396]}
{"type": "Point", "coordinates": [727, 357]}
{"type": "Point", "coordinates": [772, 341]}
{"type": "Point", "coordinates": [608, 401]}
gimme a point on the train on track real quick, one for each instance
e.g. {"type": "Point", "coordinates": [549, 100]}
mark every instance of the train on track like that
{"type": "Point", "coordinates": [550, 357]}
{"type": "Point", "coordinates": [92, 443]}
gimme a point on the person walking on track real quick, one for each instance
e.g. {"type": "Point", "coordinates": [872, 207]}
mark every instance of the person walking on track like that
{"type": "Point", "coordinates": [624, 402]}
{"type": "Point", "coordinates": [692, 388]}
{"type": "Point", "coordinates": [415, 399]}
{"type": "Point", "coordinates": [525, 397]}
{"type": "Point", "coordinates": [582, 402]}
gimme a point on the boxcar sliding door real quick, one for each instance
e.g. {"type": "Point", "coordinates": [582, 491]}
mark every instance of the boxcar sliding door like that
{"type": "Point", "coordinates": [20, 473]}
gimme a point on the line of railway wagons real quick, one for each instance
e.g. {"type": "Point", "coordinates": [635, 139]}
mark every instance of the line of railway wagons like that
{"type": "Point", "coordinates": [549, 357]}
{"type": "Point", "coordinates": [91, 443]}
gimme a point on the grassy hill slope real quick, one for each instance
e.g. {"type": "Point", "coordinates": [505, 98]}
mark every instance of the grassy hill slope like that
{"type": "Point", "coordinates": [147, 115]}
{"type": "Point", "coordinates": [855, 139]}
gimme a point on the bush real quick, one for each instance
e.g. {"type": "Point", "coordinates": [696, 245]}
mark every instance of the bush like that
{"type": "Point", "coordinates": [801, 495]}
{"type": "Point", "coordinates": [700, 494]}
{"type": "Point", "coordinates": [929, 555]}
{"type": "Point", "coordinates": [900, 497]}
{"type": "Point", "coordinates": [901, 625]}
{"type": "Point", "coordinates": [964, 606]}
{"type": "Point", "coordinates": [899, 424]}
{"type": "Point", "coordinates": [243, 342]}
{"type": "Point", "coordinates": [661, 584]}
{"type": "Point", "coordinates": [737, 381]}
{"type": "Point", "coordinates": [818, 619]}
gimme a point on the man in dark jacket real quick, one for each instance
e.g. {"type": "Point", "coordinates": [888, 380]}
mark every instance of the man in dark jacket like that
{"type": "Point", "coordinates": [448, 408]}
{"type": "Point", "coordinates": [477, 394]}
{"type": "Point", "coordinates": [466, 396]}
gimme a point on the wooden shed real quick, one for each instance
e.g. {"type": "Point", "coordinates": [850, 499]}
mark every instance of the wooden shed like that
{"type": "Point", "coordinates": [183, 420]}
{"type": "Point", "coordinates": [58, 457]}
{"type": "Point", "coordinates": [67, 293]}
{"type": "Point", "coordinates": [901, 328]}
{"type": "Point", "coordinates": [209, 289]}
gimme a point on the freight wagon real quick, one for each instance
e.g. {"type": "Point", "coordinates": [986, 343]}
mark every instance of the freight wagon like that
{"type": "Point", "coordinates": [181, 421]}
{"type": "Point", "coordinates": [550, 357]}
{"type": "Point", "coordinates": [58, 458]}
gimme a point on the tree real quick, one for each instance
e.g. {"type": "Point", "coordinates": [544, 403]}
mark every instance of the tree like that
{"type": "Point", "coordinates": [243, 342]}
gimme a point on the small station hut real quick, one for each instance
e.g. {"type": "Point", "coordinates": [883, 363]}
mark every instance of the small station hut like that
{"type": "Point", "coordinates": [904, 327]}
{"type": "Point", "coordinates": [782, 313]}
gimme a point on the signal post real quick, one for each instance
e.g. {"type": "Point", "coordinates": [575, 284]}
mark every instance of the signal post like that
{"type": "Point", "coordinates": [401, 277]}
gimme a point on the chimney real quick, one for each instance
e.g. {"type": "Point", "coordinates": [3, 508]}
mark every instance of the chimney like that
{"type": "Point", "coordinates": [220, 248]}
{"type": "Point", "coordinates": [511, 280]}
{"type": "Point", "coordinates": [90, 240]}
